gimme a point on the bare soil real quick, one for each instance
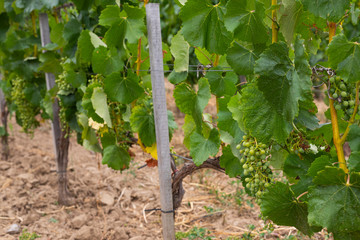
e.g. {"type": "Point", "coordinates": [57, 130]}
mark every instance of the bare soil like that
{"type": "Point", "coordinates": [111, 205]}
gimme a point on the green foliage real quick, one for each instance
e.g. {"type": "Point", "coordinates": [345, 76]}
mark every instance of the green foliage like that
{"type": "Point", "coordinates": [262, 89]}
{"type": "Point", "coordinates": [25, 235]}
{"type": "Point", "coordinates": [203, 25]}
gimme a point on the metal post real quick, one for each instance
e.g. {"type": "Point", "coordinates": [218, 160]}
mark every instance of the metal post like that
{"type": "Point", "coordinates": [50, 82]}
{"type": "Point", "coordinates": [161, 119]}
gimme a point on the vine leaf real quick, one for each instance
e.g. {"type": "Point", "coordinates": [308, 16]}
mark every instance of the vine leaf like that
{"type": "Point", "coordinates": [142, 121]}
{"type": "Point", "coordinates": [354, 161]}
{"type": "Point", "coordinates": [87, 103]}
{"type": "Point", "coordinates": [333, 203]}
{"type": "Point", "coordinates": [268, 109]}
{"type": "Point", "coordinates": [85, 47]}
{"type": "Point", "coordinates": [222, 85]}
{"type": "Point", "coordinates": [319, 164]}
{"type": "Point", "coordinates": [128, 24]}
{"type": "Point", "coordinates": [280, 205]}
{"type": "Point", "coordinates": [354, 138]}
{"type": "Point", "coordinates": [190, 102]}
{"type": "Point", "coordinates": [106, 61]}
{"type": "Point", "coordinates": [290, 15]}
{"type": "Point", "coordinates": [31, 5]}
{"type": "Point", "coordinates": [180, 50]}
{"type": "Point", "coordinates": [345, 56]}
{"type": "Point", "coordinates": [231, 163]}
{"type": "Point", "coordinates": [202, 148]}
{"type": "Point", "coordinates": [116, 157]}
{"type": "Point", "coordinates": [332, 10]}
{"type": "Point", "coordinates": [241, 59]}
{"type": "Point", "coordinates": [259, 117]}
{"type": "Point", "coordinates": [99, 102]}
{"type": "Point", "coordinates": [122, 89]}
{"type": "Point", "coordinates": [203, 26]}
{"type": "Point", "coordinates": [244, 18]}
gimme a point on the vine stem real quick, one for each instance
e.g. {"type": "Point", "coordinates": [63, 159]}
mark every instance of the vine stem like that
{"type": "Point", "coordinates": [352, 119]}
{"type": "Point", "coordinates": [274, 26]}
{"type": "Point", "coordinates": [33, 20]}
{"type": "Point", "coordinates": [334, 120]}
{"type": "Point", "coordinates": [138, 60]}
{"type": "Point", "coordinates": [304, 193]}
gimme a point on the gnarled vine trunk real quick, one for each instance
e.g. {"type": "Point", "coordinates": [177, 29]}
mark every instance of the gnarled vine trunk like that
{"type": "Point", "coordinates": [4, 138]}
{"type": "Point", "coordinates": [64, 197]}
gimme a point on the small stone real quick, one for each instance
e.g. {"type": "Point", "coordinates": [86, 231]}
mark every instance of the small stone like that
{"type": "Point", "coordinates": [79, 221]}
{"type": "Point", "coordinates": [106, 198]}
{"type": "Point", "coordinates": [14, 229]}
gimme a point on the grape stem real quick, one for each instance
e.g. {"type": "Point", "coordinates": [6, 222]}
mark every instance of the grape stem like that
{"type": "Point", "coordinates": [138, 60]}
{"type": "Point", "coordinates": [304, 193]}
{"type": "Point", "coordinates": [352, 119]}
{"type": "Point", "coordinates": [274, 26]}
{"type": "Point", "coordinates": [334, 120]}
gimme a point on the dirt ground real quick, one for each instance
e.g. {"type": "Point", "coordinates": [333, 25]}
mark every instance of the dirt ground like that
{"type": "Point", "coordinates": [111, 205]}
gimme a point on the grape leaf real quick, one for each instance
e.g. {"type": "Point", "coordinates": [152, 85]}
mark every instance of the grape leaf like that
{"type": "Point", "coordinates": [142, 121]}
{"type": "Point", "coordinates": [334, 204]}
{"type": "Point", "coordinates": [190, 102]}
{"type": "Point", "coordinates": [345, 56]}
{"type": "Point", "coordinates": [259, 117]}
{"type": "Point", "coordinates": [280, 205]}
{"type": "Point", "coordinates": [122, 89]}
{"type": "Point", "coordinates": [31, 5]}
{"type": "Point", "coordinates": [116, 157]}
{"type": "Point", "coordinates": [354, 162]}
{"type": "Point", "coordinates": [177, 77]}
{"type": "Point", "coordinates": [283, 84]}
{"type": "Point", "coordinates": [109, 16]}
{"type": "Point", "coordinates": [99, 102]}
{"type": "Point", "coordinates": [106, 61]}
{"type": "Point", "coordinates": [231, 163]}
{"type": "Point", "coordinates": [319, 164]}
{"type": "Point", "coordinates": [87, 103]}
{"type": "Point", "coordinates": [180, 50]}
{"type": "Point", "coordinates": [85, 47]}
{"type": "Point", "coordinates": [354, 138]}
{"type": "Point", "coordinates": [222, 85]}
{"type": "Point", "coordinates": [241, 59]}
{"type": "Point", "coordinates": [244, 18]}
{"type": "Point", "coordinates": [203, 25]}
{"type": "Point", "coordinates": [290, 15]}
{"type": "Point", "coordinates": [332, 10]}
{"type": "Point", "coordinates": [201, 148]}
{"type": "Point", "coordinates": [129, 24]}
{"type": "Point", "coordinates": [225, 120]}
{"type": "Point", "coordinates": [294, 166]}
{"type": "Point", "coordinates": [76, 79]}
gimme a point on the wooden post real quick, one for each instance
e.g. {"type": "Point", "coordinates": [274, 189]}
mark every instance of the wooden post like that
{"type": "Point", "coordinates": [161, 119]}
{"type": "Point", "coordinates": [61, 141]}
{"type": "Point", "coordinates": [50, 82]}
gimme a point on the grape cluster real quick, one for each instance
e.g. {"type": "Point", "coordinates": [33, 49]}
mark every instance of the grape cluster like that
{"type": "Point", "coordinates": [26, 112]}
{"type": "Point", "coordinates": [256, 165]}
{"type": "Point", "coordinates": [344, 95]}
{"type": "Point", "coordinates": [64, 89]}
{"type": "Point", "coordinates": [297, 143]}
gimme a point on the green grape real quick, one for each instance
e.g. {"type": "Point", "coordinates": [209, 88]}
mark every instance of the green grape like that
{"type": "Point", "coordinates": [25, 111]}
{"type": "Point", "coordinates": [335, 95]}
{"type": "Point", "coordinates": [255, 164]}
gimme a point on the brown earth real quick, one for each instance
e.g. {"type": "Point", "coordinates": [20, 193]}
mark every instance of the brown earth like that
{"type": "Point", "coordinates": [110, 204]}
